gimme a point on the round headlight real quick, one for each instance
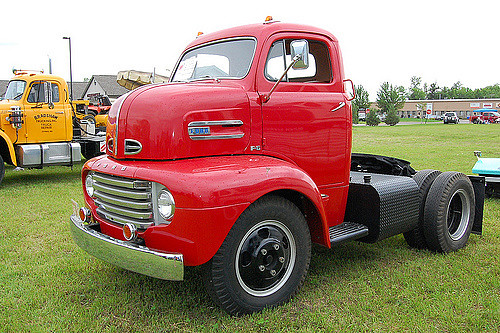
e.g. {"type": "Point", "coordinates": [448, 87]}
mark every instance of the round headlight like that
{"type": "Point", "coordinates": [89, 185]}
{"type": "Point", "coordinates": [166, 204]}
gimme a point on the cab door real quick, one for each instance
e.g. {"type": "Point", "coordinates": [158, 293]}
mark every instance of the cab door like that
{"type": "Point", "coordinates": [45, 115]}
{"type": "Point", "coordinates": [306, 119]}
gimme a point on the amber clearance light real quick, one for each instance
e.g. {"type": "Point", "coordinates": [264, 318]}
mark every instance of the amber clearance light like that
{"type": "Point", "coordinates": [130, 232]}
{"type": "Point", "coordinates": [84, 214]}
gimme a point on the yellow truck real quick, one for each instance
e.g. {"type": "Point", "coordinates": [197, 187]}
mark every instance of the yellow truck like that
{"type": "Point", "coordinates": [41, 126]}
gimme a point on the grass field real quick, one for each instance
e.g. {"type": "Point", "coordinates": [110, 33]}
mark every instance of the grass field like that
{"type": "Point", "coordinates": [49, 285]}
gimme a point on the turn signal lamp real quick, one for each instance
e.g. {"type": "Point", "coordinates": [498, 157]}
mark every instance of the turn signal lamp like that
{"type": "Point", "coordinates": [130, 232]}
{"type": "Point", "coordinates": [269, 19]}
{"type": "Point", "coordinates": [84, 214]}
{"type": "Point", "coordinates": [199, 34]}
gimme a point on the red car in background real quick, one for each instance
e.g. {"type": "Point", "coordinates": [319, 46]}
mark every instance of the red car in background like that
{"type": "Point", "coordinates": [486, 117]}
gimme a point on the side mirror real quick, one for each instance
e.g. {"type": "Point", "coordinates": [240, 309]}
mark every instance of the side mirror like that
{"type": "Point", "coordinates": [300, 48]}
{"type": "Point", "coordinates": [349, 90]}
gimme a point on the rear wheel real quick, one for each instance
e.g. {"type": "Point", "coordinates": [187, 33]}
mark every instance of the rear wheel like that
{"type": "Point", "coordinates": [449, 212]}
{"type": "Point", "coordinates": [424, 179]}
{"type": "Point", "coordinates": [264, 259]}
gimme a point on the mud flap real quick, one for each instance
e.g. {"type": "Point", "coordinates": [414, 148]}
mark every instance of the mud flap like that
{"type": "Point", "coordinates": [478, 183]}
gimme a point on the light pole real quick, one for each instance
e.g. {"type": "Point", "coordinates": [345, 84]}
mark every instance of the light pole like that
{"type": "Point", "coordinates": [70, 70]}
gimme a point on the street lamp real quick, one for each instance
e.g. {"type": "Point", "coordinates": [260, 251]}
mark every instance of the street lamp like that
{"type": "Point", "coordinates": [70, 70]}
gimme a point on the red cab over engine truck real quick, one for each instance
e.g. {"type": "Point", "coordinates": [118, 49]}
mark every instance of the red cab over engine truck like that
{"type": "Point", "coordinates": [243, 160]}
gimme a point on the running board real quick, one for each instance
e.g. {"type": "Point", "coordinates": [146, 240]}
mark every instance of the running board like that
{"type": "Point", "coordinates": [347, 231]}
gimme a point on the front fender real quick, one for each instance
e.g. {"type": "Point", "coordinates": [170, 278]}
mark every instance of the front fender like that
{"type": "Point", "coordinates": [10, 147]}
{"type": "Point", "coordinates": [210, 194]}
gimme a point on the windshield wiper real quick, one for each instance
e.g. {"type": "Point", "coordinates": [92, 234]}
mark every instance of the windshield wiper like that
{"type": "Point", "coordinates": [205, 77]}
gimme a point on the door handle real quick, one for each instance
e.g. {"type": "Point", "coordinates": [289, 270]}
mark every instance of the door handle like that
{"type": "Point", "coordinates": [60, 112]}
{"type": "Point", "coordinates": [341, 105]}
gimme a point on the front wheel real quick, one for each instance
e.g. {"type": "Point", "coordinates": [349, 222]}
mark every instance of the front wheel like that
{"type": "Point", "coordinates": [264, 259]}
{"type": "Point", "coordinates": [2, 169]}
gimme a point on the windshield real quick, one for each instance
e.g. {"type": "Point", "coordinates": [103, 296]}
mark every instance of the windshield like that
{"type": "Point", "coordinates": [15, 90]}
{"type": "Point", "coordinates": [225, 59]}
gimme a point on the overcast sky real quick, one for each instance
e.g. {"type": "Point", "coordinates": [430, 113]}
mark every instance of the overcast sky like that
{"type": "Point", "coordinates": [440, 41]}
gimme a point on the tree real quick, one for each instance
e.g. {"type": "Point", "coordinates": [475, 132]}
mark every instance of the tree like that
{"type": "Point", "coordinates": [390, 96]}
{"type": "Point", "coordinates": [392, 117]}
{"type": "Point", "coordinates": [415, 92]}
{"type": "Point", "coordinates": [361, 102]}
{"type": "Point", "coordinates": [372, 119]}
{"type": "Point", "coordinates": [433, 92]}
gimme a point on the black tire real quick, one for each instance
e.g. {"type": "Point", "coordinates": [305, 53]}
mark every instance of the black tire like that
{"type": "Point", "coordinates": [90, 118]}
{"type": "Point", "coordinates": [424, 179]}
{"type": "Point", "coordinates": [264, 259]}
{"type": "Point", "coordinates": [2, 168]}
{"type": "Point", "coordinates": [449, 212]}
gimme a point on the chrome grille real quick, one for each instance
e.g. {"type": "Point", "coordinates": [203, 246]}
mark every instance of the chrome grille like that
{"type": "Point", "coordinates": [124, 200]}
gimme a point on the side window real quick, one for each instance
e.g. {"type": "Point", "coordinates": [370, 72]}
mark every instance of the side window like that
{"type": "Point", "coordinates": [279, 58]}
{"type": "Point", "coordinates": [275, 64]}
{"type": "Point", "coordinates": [55, 92]}
{"type": "Point", "coordinates": [37, 93]}
{"type": "Point", "coordinates": [43, 92]}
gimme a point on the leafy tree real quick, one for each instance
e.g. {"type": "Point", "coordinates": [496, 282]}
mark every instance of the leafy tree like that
{"type": "Point", "coordinates": [372, 119]}
{"type": "Point", "coordinates": [491, 91]}
{"type": "Point", "coordinates": [390, 96]}
{"type": "Point", "coordinates": [433, 92]}
{"type": "Point", "coordinates": [361, 102]}
{"type": "Point", "coordinates": [392, 117]}
{"type": "Point", "coordinates": [415, 92]}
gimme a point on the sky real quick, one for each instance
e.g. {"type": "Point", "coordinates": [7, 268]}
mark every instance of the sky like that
{"type": "Point", "coordinates": [440, 41]}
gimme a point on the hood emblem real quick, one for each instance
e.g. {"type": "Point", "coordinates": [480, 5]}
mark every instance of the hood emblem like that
{"type": "Point", "coordinates": [194, 131]}
{"type": "Point", "coordinates": [201, 130]}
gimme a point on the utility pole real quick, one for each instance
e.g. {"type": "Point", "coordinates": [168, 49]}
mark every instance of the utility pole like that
{"type": "Point", "coordinates": [70, 70]}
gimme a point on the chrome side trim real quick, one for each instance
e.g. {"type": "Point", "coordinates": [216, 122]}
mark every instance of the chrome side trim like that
{"type": "Point", "coordinates": [223, 123]}
{"type": "Point", "coordinates": [130, 256]}
{"type": "Point", "coordinates": [216, 123]}
{"type": "Point", "coordinates": [215, 137]}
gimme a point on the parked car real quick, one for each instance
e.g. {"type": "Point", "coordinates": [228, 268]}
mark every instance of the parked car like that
{"type": "Point", "coordinates": [489, 168]}
{"type": "Point", "coordinates": [450, 117]}
{"type": "Point", "coordinates": [486, 117]}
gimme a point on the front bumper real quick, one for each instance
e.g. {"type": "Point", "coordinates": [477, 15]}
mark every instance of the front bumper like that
{"type": "Point", "coordinates": [130, 256]}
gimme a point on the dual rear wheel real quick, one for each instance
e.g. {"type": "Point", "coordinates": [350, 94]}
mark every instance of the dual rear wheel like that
{"type": "Point", "coordinates": [447, 209]}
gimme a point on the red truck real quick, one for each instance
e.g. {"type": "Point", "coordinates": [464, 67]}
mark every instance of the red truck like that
{"type": "Point", "coordinates": [486, 116]}
{"type": "Point", "coordinates": [243, 160]}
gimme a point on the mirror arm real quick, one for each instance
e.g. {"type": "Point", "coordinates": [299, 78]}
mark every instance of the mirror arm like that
{"type": "Point", "coordinates": [266, 98]}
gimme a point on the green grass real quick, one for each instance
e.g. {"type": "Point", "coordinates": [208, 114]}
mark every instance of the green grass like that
{"type": "Point", "coordinates": [49, 285]}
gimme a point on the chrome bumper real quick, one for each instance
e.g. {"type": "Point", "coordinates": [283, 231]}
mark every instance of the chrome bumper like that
{"type": "Point", "coordinates": [130, 256]}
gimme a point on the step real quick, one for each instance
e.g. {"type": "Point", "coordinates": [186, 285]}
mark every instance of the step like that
{"type": "Point", "coordinates": [347, 231]}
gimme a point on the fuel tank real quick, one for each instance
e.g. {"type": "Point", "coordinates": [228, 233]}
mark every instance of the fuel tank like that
{"type": "Point", "coordinates": [180, 120]}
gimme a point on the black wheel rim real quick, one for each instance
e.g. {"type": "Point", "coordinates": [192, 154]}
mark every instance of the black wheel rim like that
{"type": "Point", "coordinates": [265, 258]}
